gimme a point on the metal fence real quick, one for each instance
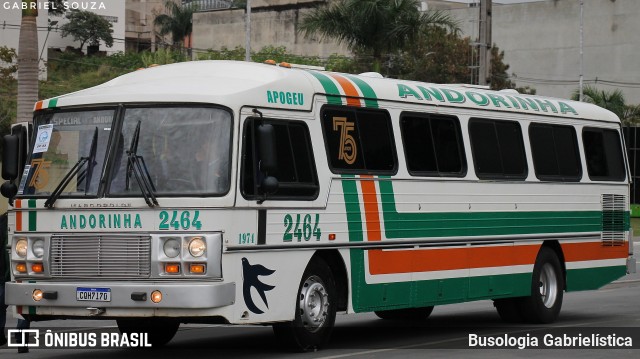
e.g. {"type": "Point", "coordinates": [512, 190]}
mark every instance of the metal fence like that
{"type": "Point", "coordinates": [206, 5]}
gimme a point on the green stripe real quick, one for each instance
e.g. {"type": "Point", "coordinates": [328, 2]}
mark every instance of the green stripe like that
{"type": "Point", "coordinates": [53, 102]}
{"type": "Point", "coordinates": [333, 94]}
{"type": "Point", "coordinates": [370, 97]}
{"type": "Point", "coordinates": [593, 278]}
{"type": "Point", "coordinates": [450, 224]}
{"type": "Point", "coordinates": [33, 215]}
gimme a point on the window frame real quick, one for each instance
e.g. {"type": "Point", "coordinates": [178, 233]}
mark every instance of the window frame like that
{"type": "Point", "coordinates": [558, 177]}
{"type": "Point", "coordinates": [519, 177]}
{"type": "Point", "coordinates": [311, 157]}
{"type": "Point", "coordinates": [355, 111]}
{"type": "Point", "coordinates": [464, 168]}
{"type": "Point", "coordinates": [602, 130]}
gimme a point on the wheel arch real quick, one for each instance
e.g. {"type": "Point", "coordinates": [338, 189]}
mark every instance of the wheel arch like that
{"type": "Point", "coordinates": [339, 271]}
{"type": "Point", "coordinates": [555, 246]}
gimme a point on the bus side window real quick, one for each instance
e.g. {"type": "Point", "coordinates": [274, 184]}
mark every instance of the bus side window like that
{"type": "Point", "coordinates": [498, 149]}
{"type": "Point", "coordinates": [603, 154]}
{"type": "Point", "coordinates": [554, 149]}
{"type": "Point", "coordinates": [295, 172]}
{"type": "Point", "coordinates": [359, 140]}
{"type": "Point", "coordinates": [433, 145]}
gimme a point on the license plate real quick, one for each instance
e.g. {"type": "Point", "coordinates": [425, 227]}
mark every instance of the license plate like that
{"type": "Point", "coordinates": [93, 294]}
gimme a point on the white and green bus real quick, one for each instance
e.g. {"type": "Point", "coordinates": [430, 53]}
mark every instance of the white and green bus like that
{"type": "Point", "coordinates": [245, 193]}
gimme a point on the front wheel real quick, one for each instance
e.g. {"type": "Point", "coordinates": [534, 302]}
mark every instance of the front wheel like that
{"type": "Point", "coordinates": [547, 286]}
{"type": "Point", "coordinates": [315, 311]}
{"type": "Point", "coordinates": [159, 331]}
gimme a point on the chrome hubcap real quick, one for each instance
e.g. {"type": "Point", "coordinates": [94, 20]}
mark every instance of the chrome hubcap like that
{"type": "Point", "coordinates": [313, 303]}
{"type": "Point", "coordinates": [548, 285]}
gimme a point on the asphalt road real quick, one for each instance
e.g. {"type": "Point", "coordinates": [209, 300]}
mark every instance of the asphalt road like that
{"type": "Point", "coordinates": [612, 309]}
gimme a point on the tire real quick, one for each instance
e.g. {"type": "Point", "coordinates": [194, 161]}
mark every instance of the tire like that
{"type": "Point", "coordinates": [547, 286]}
{"type": "Point", "coordinates": [508, 310]}
{"type": "Point", "coordinates": [315, 311]}
{"type": "Point", "coordinates": [408, 314]}
{"type": "Point", "coordinates": [160, 330]}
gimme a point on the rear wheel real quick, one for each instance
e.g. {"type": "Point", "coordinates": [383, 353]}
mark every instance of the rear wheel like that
{"type": "Point", "coordinates": [159, 331]}
{"type": "Point", "coordinates": [315, 310]}
{"type": "Point", "coordinates": [416, 314]}
{"type": "Point", "coordinates": [547, 286]}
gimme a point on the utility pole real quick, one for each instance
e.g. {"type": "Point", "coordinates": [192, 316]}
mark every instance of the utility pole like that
{"type": "Point", "coordinates": [247, 47]}
{"type": "Point", "coordinates": [484, 41]}
{"type": "Point", "coordinates": [581, 97]}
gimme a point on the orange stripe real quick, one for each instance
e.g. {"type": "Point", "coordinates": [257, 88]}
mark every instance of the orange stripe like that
{"type": "Point", "coordinates": [349, 90]}
{"type": "Point", "coordinates": [590, 251]}
{"type": "Point", "coordinates": [39, 105]}
{"type": "Point", "coordinates": [371, 213]}
{"type": "Point", "coordinates": [426, 260]}
{"type": "Point", "coordinates": [18, 215]}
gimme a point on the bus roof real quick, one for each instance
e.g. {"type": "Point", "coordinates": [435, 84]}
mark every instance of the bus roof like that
{"type": "Point", "coordinates": [235, 84]}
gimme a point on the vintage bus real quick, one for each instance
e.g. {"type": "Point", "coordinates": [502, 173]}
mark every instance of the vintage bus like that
{"type": "Point", "coordinates": [246, 193]}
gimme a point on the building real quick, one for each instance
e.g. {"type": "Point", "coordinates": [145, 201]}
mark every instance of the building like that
{"type": "Point", "coordinates": [49, 33]}
{"type": "Point", "coordinates": [140, 34]}
{"type": "Point", "coordinates": [540, 38]}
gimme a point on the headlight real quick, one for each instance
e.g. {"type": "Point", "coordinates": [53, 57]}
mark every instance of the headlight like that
{"type": "Point", "coordinates": [171, 248]}
{"type": "Point", "coordinates": [21, 247]}
{"type": "Point", "coordinates": [37, 247]}
{"type": "Point", "coordinates": [197, 246]}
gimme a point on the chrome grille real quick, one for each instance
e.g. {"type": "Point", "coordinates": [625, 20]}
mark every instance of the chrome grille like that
{"type": "Point", "coordinates": [614, 222]}
{"type": "Point", "coordinates": [100, 256]}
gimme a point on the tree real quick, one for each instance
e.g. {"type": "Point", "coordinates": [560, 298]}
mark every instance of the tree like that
{"type": "Point", "coordinates": [613, 101]}
{"type": "Point", "coordinates": [178, 22]}
{"type": "Point", "coordinates": [86, 26]}
{"type": "Point", "coordinates": [28, 57]}
{"type": "Point", "coordinates": [378, 27]}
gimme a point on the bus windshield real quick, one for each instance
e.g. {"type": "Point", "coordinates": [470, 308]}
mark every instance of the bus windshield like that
{"type": "Point", "coordinates": [180, 150]}
{"type": "Point", "coordinates": [65, 140]}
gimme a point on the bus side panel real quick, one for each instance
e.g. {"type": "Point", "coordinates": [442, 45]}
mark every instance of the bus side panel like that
{"type": "Point", "coordinates": [483, 238]}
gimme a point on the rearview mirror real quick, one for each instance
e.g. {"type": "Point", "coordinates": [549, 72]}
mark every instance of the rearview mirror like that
{"type": "Point", "coordinates": [10, 157]}
{"type": "Point", "coordinates": [266, 135]}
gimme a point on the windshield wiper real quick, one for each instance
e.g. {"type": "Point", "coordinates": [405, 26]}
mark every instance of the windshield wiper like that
{"type": "Point", "coordinates": [137, 167]}
{"type": "Point", "coordinates": [88, 173]}
{"type": "Point", "coordinates": [74, 170]}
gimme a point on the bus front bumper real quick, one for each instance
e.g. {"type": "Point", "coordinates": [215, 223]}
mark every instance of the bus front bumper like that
{"type": "Point", "coordinates": [131, 295]}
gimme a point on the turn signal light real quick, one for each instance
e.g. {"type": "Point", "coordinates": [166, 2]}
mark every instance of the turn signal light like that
{"type": "Point", "coordinates": [37, 295]}
{"type": "Point", "coordinates": [172, 268]}
{"type": "Point", "coordinates": [37, 267]}
{"type": "Point", "coordinates": [197, 268]}
{"type": "Point", "coordinates": [21, 267]}
{"type": "Point", "coordinates": [156, 296]}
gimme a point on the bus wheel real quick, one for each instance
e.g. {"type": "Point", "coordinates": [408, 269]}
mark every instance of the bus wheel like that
{"type": "Point", "coordinates": [160, 331]}
{"type": "Point", "coordinates": [315, 311]}
{"type": "Point", "coordinates": [414, 314]}
{"type": "Point", "coordinates": [508, 309]}
{"type": "Point", "coordinates": [547, 285]}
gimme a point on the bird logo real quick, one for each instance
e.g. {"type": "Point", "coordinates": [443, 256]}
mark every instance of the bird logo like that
{"type": "Point", "coordinates": [250, 274]}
